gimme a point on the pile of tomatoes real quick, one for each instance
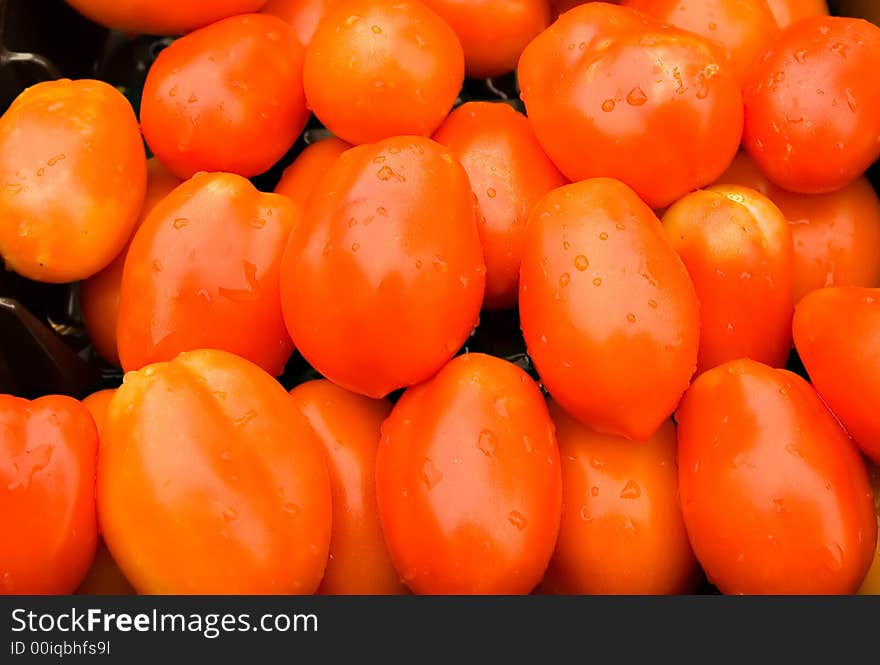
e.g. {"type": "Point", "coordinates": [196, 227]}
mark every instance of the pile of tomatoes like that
{"type": "Point", "coordinates": [681, 203]}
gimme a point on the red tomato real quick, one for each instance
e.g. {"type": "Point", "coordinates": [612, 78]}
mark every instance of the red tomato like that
{"type": "Point", "coordinates": [613, 93]}
{"type": "Point", "coordinates": [48, 451]}
{"type": "Point", "coordinates": [301, 178]}
{"type": "Point", "coordinates": [609, 314]}
{"type": "Point", "coordinates": [737, 248]}
{"type": "Point", "coordinates": [302, 15]}
{"type": "Point", "coordinates": [227, 483]}
{"type": "Point", "coordinates": [509, 173]}
{"type": "Point", "coordinates": [622, 531]}
{"type": "Point", "coordinates": [203, 272]}
{"type": "Point", "coordinates": [871, 583]}
{"type": "Point", "coordinates": [468, 481]}
{"type": "Point", "coordinates": [348, 427]}
{"type": "Point", "coordinates": [382, 282]}
{"type": "Point", "coordinates": [837, 334]}
{"type": "Point", "coordinates": [812, 105]}
{"type": "Point", "coordinates": [775, 497]}
{"type": "Point", "coordinates": [228, 97]}
{"type": "Point", "coordinates": [381, 68]}
{"type": "Point", "coordinates": [787, 12]}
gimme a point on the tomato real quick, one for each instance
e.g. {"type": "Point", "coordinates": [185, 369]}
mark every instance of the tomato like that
{"type": "Point", "coordinates": [493, 33]}
{"type": "Point", "coordinates": [812, 105]}
{"type": "Point", "coordinates": [203, 271]}
{"type": "Point", "coordinates": [622, 531]}
{"type": "Point", "coordinates": [787, 12]}
{"type": "Point", "coordinates": [381, 68]}
{"type": "Point", "coordinates": [836, 236]}
{"type": "Point", "coordinates": [48, 450]}
{"type": "Point", "coordinates": [608, 311]}
{"type": "Point", "coordinates": [302, 15]}
{"type": "Point", "coordinates": [509, 173]}
{"type": "Point", "coordinates": [72, 179]}
{"type": "Point", "coordinates": [301, 178]}
{"type": "Point", "coordinates": [837, 334]}
{"type": "Point", "coordinates": [228, 97]}
{"type": "Point", "coordinates": [97, 404]}
{"type": "Point", "coordinates": [740, 29]}
{"type": "Point", "coordinates": [99, 294]}
{"type": "Point", "coordinates": [161, 17]}
{"type": "Point", "coordinates": [775, 497]}
{"type": "Point", "coordinates": [348, 427]}
{"type": "Point", "coordinates": [382, 282]}
{"type": "Point", "coordinates": [601, 105]}
{"type": "Point", "coordinates": [227, 484]}
{"type": "Point", "coordinates": [737, 248]}
{"type": "Point", "coordinates": [871, 583]}
{"type": "Point", "coordinates": [468, 480]}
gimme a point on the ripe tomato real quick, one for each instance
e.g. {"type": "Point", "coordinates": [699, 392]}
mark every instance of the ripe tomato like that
{"type": "Point", "coordinates": [468, 480]}
{"type": "Point", "coordinates": [613, 93]}
{"type": "Point", "coordinates": [302, 15]}
{"type": "Point", "coordinates": [609, 314]}
{"type": "Point", "coordinates": [381, 68]}
{"type": "Point", "coordinates": [97, 404]}
{"type": "Point", "coordinates": [737, 248]}
{"type": "Point", "coordinates": [871, 583]}
{"type": "Point", "coordinates": [227, 97]}
{"type": "Point", "coordinates": [509, 174]}
{"type": "Point", "coordinates": [48, 451]}
{"type": "Point", "coordinates": [813, 105]}
{"type": "Point", "coordinates": [203, 272]}
{"type": "Point", "coordinates": [227, 484]}
{"type": "Point", "coordinates": [787, 12]}
{"type": "Point", "coordinates": [493, 33]}
{"type": "Point", "coordinates": [99, 294]}
{"type": "Point", "coordinates": [775, 497]}
{"type": "Point", "coordinates": [382, 282]}
{"type": "Point", "coordinates": [837, 334]}
{"type": "Point", "coordinates": [836, 236]}
{"type": "Point", "coordinates": [301, 178]}
{"type": "Point", "coordinates": [348, 427]}
{"type": "Point", "coordinates": [72, 179]}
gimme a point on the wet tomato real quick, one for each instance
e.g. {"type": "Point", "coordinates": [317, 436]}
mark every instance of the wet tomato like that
{"type": "Point", "coordinates": [302, 15]}
{"type": "Point", "coordinates": [300, 178]}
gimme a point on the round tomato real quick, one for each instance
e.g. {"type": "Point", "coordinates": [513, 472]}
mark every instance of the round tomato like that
{"type": "Point", "coordinates": [787, 12]}
{"type": "Point", "coordinates": [737, 248]}
{"type": "Point", "coordinates": [611, 92]}
{"type": "Point", "coordinates": [468, 481]}
{"type": "Point", "coordinates": [608, 311]}
{"type": "Point", "coordinates": [301, 178]}
{"type": "Point", "coordinates": [226, 483]}
{"type": "Point", "coordinates": [73, 174]}
{"type": "Point", "coordinates": [348, 427]}
{"type": "Point", "coordinates": [509, 174]}
{"type": "Point", "coordinates": [48, 451]}
{"type": "Point", "coordinates": [381, 68]}
{"type": "Point", "coordinates": [302, 15]}
{"type": "Point", "coordinates": [382, 282]}
{"type": "Point", "coordinates": [812, 105]}
{"type": "Point", "coordinates": [871, 583]}
{"type": "Point", "coordinates": [775, 496]}
{"type": "Point", "coordinates": [228, 97]}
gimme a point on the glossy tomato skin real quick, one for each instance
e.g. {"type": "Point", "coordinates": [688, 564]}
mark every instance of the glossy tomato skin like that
{"type": "Point", "coordinates": [348, 426]}
{"type": "Point", "coordinates": [381, 68]}
{"type": "Point", "coordinates": [837, 334]}
{"type": "Point", "coordinates": [871, 583]}
{"type": "Point", "coordinates": [228, 97]}
{"type": "Point", "coordinates": [227, 483]}
{"type": "Point", "coordinates": [302, 15]}
{"type": "Point", "coordinates": [301, 178]}
{"type": "Point", "coordinates": [509, 173]}
{"type": "Point", "coordinates": [383, 280]}
{"type": "Point", "coordinates": [48, 451]}
{"type": "Point", "coordinates": [203, 272]}
{"type": "Point", "coordinates": [775, 496]}
{"type": "Point", "coordinates": [737, 247]}
{"type": "Point", "coordinates": [787, 12]}
{"type": "Point", "coordinates": [468, 481]}
{"type": "Point", "coordinates": [622, 531]}
{"type": "Point", "coordinates": [99, 294]}
{"type": "Point", "coordinates": [608, 311]}
{"type": "Point", "coordinates": [812, 105]}
{"type": "Point", "coordinates": [602, 106]}
{"type": "Point", "coordinates": [73, 174]}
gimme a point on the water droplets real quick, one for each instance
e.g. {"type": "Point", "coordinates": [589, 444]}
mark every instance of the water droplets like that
{"type": "Point", "coordinates": [180, 223]}
{"type": "Point", "coordinates": [608, 105]}
{"type": "Point", "coordinates": [376, 30]}
{"type": "Point", "coordinates": [585, 514]}
{"type": "Point", "coordinates": [564, 280]}
{"type": "Point", "coordinates": [603, 236]}
{"type": "Point", "coordinates": [836, 557]}
{"type": "Point", "coordinates": [597, 281]}
{"type": "Point", "coordinates": [230, 514]}
{"type": "Point", "coordinates": [386, 173]}
{"type": "Point", "coordinates": [491, 193]}
{"type": "Point", "coordinates": [245, 418]}
{"type": "Point", "coordinates": [355, 247]}
{"type": "Point", "coordinates": [581, 262]}
{"type": "Point", "coordinates": [631, 490]}
{"type": "Point", "coordinates": [517, 519]}
{"type": "Point", "coordinates": [594, 491]}
{"type": "Point", "coordinates": [636, 97]}
{"type": "Point", "coordinates": [431, 475]}
{"type": "Point", "coordinates": [487, 443]}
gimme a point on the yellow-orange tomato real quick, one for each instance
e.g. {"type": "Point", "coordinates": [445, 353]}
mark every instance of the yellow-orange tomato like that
{"type": "Point", "coordinates": [302, 15]}
{"type": "Point", "coordinates": [622, 531]}
{"type": "Point", "coordinates": [226, 483]}
{"type": "Point", "coordinates": [871, 583]}
{"type": "Point", "coordinates": [736, 246]}
{"type": "Point", "coordinates": [99, 294]}
{"type": "Point", "coordinates": [348, 427]}
{"type": "Point", "coordinates": [509, 173]}
{"type": "Point", "coordinates": [787, 12]}
{"type": "Point", "coordinates": [72, 179]}
{"type": "Point", "coordinates": [300, 178]}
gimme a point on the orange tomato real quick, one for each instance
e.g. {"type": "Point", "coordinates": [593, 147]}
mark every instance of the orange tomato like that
{"type": "Point", "coordinates": [787, 12]}
{"type": "Point", "coordinates": [509, 173]}
{"type": "Point", "coordinates": [302, 15]}
{"type": "Point", "coordinates": [301, 178]}
{"type": "Point", "coordinates": [226, 483]}
{"type": "Point", "coordinates": [468, 480]}
{"type": "Point", "coordinates": [871, 583]}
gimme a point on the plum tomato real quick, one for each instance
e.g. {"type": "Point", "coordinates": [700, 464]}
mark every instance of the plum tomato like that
{"type": "Point", "coordinates": [300, 179]}
{"type": "Point", "coordinates": [302, 15]}
{"type": "Point", "coordinates": [871, 583]}
{"type": "Point", "coordinates": [787, 12]}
